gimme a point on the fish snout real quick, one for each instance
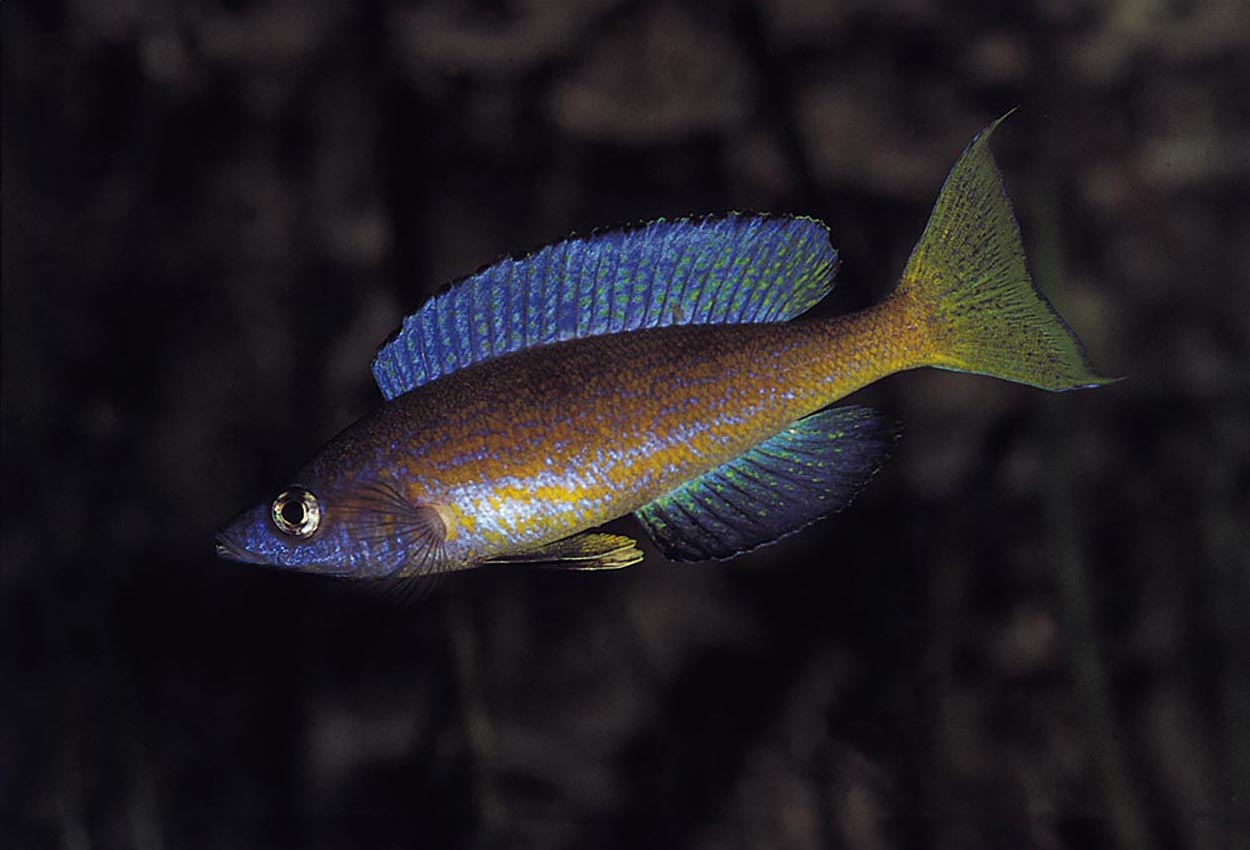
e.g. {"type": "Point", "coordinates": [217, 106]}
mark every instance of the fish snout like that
{"type": "Point", "coordinates": [230, 550]}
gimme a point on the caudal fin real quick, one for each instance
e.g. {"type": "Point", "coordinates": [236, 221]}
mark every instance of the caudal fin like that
{"type": "Point", "coordinates": [968, 280]}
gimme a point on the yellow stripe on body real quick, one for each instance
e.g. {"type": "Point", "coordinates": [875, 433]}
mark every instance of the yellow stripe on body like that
{"type": "Point", "coordinates": [569, 436]}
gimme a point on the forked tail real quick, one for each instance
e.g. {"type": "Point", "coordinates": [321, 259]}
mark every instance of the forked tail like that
{"type": "Point", "coordinates": [968, 285]}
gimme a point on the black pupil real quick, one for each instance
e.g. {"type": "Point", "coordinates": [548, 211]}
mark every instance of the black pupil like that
{"type": "Point", "coordinates": [293, 512]}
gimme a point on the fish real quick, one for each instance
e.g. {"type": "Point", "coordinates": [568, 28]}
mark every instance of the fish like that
{"type": "Point", "coordinates": [664, 370]}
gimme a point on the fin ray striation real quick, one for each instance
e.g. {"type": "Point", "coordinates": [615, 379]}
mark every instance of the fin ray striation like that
{"type": "Point", "coordinates": [813, 468]}
{"type": "Point", "coordinates": [737, 268]}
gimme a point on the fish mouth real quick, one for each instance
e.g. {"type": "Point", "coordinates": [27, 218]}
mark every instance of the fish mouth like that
{"type": "Point", "coordinates": [231, 551]}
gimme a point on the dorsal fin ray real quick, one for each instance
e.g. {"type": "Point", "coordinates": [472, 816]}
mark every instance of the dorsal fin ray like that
{"type": "Point", "coordinates": [735, 268]}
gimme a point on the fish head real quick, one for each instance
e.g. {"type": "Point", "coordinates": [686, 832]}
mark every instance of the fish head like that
{"type": "Point", "coordinates": [355, 530]}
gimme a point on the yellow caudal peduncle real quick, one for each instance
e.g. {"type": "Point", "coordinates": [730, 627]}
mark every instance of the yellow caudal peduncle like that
{"type": "Point", "coordinates": [860, 348]}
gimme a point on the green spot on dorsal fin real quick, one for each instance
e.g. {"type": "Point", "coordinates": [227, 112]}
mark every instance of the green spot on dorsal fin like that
{"type": "Point", "coordinates": [811, 469]}
{"type": "Point", "coordinates": [721, 269]}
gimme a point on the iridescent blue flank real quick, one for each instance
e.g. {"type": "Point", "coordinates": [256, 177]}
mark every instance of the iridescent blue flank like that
{"type": "Point", "coordinates": [730, 269]}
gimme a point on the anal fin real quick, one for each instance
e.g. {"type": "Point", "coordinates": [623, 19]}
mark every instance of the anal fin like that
{"type": "Point", "coordinates": [590, 550]}
{"type": "Point", "coordinates": [813, 468]}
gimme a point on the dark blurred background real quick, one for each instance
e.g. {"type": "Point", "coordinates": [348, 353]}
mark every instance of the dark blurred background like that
{"type": "Point", "coordinates": [1031, 631]}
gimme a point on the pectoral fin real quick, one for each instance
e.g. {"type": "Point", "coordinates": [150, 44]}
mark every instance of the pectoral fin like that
{"type": "Point", "coordinates": [591, 550]}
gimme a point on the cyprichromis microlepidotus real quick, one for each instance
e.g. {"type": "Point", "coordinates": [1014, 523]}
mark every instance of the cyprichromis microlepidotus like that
{"type": "Point", "coordinates": [664, 370]}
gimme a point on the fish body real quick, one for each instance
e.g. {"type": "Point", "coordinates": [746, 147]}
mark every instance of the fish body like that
{"type": "Point", "coordinates": [652, 372]}
{"type": "Point", "coordinates": [548, 441]}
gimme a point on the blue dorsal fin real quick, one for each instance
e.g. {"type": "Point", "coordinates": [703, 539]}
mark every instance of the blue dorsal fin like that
{"type": "Point", "coordinates": [811, 469]}
{"type": "Point", "coordinates": [720, 269]}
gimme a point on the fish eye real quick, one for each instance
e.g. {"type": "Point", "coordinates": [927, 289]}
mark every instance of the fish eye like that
{"type": "Point", "coordinates": [296, 512]}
